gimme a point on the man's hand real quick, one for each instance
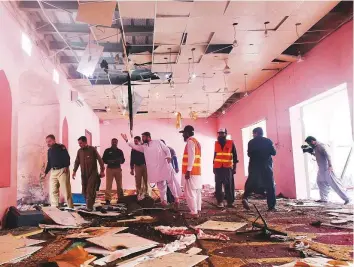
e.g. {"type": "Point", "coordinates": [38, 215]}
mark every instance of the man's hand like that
{"type": "Point", "coordinates": [74, 175]}
{"type": "Point", "coordinates": [102, 174]}
{"type": "Point", "coordinates": [132, 172]}
{"type": "Point", "coordinates": [124, 136]}
{"type": "Point", "coordinates": [177, 170]}
{"type": "Point", "coordinates": [234, 171]}
{"type": "Point", "coordinates": [168, 159]}
{"type": "Point", "coordinates": [66, 170]}
{"type": "Point", "coordinates": [188, 175]}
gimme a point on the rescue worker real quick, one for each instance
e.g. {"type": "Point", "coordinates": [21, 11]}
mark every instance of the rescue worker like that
{"type": "Point", "coordinates": [87, 157]}
{"type": "Point", "coordinates": [174, 162]}
{"type": "Point", "coordinates": [160, 171]}
{"type": "Point", "coordinates": [58, 166]}
{"type": "Point", "coordinates": [191, 171]}
{"type": "Point", "coordinates": [225, 160]}
{"type": "Point", "coordinates": [260, 169]}
{"type": "Point", "coordinates": [326, 179]}
{"type": "Point", "coordinates": [138, 166]}
{"type": "Point", "coordinates": [113, 157]}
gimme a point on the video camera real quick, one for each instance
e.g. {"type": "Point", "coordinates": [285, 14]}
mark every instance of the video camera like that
{"type": "Point", "coordinates": [307, 149]}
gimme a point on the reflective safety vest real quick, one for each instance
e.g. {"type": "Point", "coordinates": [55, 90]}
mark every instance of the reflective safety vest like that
{"type": "Point", "coordinates": [223, 157]}
{"type": "Point", "coordinates": [196, 170]}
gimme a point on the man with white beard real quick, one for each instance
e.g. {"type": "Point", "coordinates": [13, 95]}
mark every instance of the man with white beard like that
{"type": "Point", "coordinates": [160, 171]}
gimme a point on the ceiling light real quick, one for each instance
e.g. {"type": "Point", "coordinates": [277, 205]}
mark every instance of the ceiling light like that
{"type": "Point", "coordinates": [167, 75]}
{"type": "Point", "coordinates": [26, 44]}
{"type": "Point", "coordinates": [299, 58]}
{"type": "Point", "coordinates": [204, 87]}
{"type": "Point", "coordinates": [157, 95]}
{"type": "Point", "coordinates": [235, 44]}
{"type": "Point", "coordinates": [108, 109]}
{"type": "Point", "coordinates": [55, 76]}
{"type": "Point", "coordinates": [246, 94]}
{"type": "Point", "coordinates": [223, 112]}
{"type": "Point", "coordinates": [265, 28]}
{"type": "Point", "coordinates": [193, 76]}
{"type": "Point", "coordinates": [172, 85]}
{"type": "Point", "coordinates": [189, 80]}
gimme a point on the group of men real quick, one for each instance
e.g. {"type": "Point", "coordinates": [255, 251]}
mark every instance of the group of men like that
{"type": "Point", "coordinates": [152, 161]}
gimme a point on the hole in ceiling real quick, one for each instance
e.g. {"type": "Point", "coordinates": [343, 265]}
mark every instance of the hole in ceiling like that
{"type": "Point", "coordinates": [219, 48]}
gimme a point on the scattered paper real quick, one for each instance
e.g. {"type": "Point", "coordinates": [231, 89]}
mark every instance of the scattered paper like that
{"type": "Point", "coordinates": [342, 211]}
{"type": "Point", "coordinates": [96, 231]}
{"type": "Point", "coordinates": [201, 235]}
{"type": "Point", "coordinates": [299, 245]}
{"type": "Point", "coordinates": [194, 251]}
{"type": "Point", "coordinates": [139, 219]}
{"type": "Point", "coordinates": [126, 240]}
{"type": "Point", "coordinates": [55, 226]}
{"type": "Point", "coordinates": [174, 260]}
{"type": "Point", "coordinates": [74, 257]}
{"type": "Point", "coordinates": [221, 226]}
{"type": "Point", "coordinates": [168, 230]}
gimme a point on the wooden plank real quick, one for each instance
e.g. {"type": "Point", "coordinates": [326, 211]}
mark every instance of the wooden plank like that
{"type": "Point", "coordinates": [174, 260]}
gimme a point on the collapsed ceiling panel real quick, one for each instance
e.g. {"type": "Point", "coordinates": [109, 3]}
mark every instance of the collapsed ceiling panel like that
{"type": "Point", "coordinates": [137, 9]}
{"type": "Point", "coordinates": [100, 13]}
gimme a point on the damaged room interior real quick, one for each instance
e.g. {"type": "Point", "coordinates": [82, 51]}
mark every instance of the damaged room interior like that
{"type": "Point", "coordinates": [176, 133]}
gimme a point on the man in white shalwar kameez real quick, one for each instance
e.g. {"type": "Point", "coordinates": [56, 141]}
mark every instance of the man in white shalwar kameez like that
{"type": "Point", "coordinates": [159, 170]}
{"type": "Point", "coordinates": [191, 171]}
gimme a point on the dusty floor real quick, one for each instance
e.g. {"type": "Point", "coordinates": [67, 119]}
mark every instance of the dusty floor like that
{"type": "Point", "coordinates": [249, 249]}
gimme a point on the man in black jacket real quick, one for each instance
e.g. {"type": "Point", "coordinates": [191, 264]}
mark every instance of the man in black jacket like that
{"type": "Point", "coordinates": [260, 169]}
{"type": "Point", "coordinates": [113, 157]}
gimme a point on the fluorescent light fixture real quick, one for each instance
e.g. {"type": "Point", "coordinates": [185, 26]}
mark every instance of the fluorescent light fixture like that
{"type": "Point", "coordinates": [56, 76]}
{"type": "Point", "coordinates": [26, 44]}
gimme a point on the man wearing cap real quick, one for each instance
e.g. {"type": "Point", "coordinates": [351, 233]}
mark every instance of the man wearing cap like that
{"type": "Point", "coordinates": [225, 160]}
{"type": "Point", "coordinates": [191, 171]}
{"type": "Point", "coordinates": [159, 170]}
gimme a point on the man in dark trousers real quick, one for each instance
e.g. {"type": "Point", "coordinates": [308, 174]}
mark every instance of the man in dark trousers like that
{"type": "Point", "coordinates": [87, 157]}
{"type": "Point", "coordinates": [58, 166]}
{"type": "Point", "coordinates": [113, 157]}
{"type": "Point", "coordinates": [260, 169]}
{"type": "Point", "coordinates": [138, 167]}
{"type": "Point", "coordinates": [225, 160]}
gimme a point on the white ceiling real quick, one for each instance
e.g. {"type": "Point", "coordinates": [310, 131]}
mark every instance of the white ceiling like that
{"type": "Point", "coordinates": [208, 22]}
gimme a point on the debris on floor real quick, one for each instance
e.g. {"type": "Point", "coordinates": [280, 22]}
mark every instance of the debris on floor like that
{"type": "Point", "coordinates": [317, 262]}
{"type": "Point", "coordinates": [174, 260]}
{"type": "Point", "coordinates": [74, 257]}
{"type": "Point", "coordinates": [96, 231]}
{"type": "Point", "coordinates": [221, 226]}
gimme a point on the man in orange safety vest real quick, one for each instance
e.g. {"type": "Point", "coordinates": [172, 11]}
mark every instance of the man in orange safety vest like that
{"type": "Point", "coordinates": [191, 171]}
{"type": "Point", "coordinates": [225, 160]}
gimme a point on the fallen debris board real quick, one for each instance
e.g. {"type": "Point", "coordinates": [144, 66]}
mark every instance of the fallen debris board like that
{"type": "Point", "coordinates": [121, 253]}
{"type": "Point", "coordinates": [194, 251]}
{"type": "Point", "coordinates": [9, 243]}
{"type": "Point", "coordinates": [125, 240]}
{"type": "Point", "coordinates": [100, 13]}
{"type": "Point", "coordinates": [17, 254]}
{"type": "Point", "coordinates": [317, 262]}
{"type": "Point", "coordinates": [63, 217]}
{"type": "Point", "coordinates": [35, 232]}
{"type": "Point", "coordinates": [96, 231]}
{"type": "Point", "coordinates": [90, 59]}
{"type": "Point", "coordinates": [174, 260]}
{"type": "Point", "coordinates": [74, 257]}
{"type": "Point", "coordinates": [55, 226]}
{"type": "Point", "coordinates": [139, 219]}
{"type": "Point", "coordinates": [98, 213]}
{"type": "Point", "coordinates": [98, 251]}
{"type": "Point", "coordinates": [220, 226]}
{"type": "Point", "coordinates": [342, 211]}
{"type": "Point", "coordinates": [305, 204]}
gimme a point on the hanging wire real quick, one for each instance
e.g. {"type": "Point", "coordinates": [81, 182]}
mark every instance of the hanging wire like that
{"type": "Point", "coordinates": [296, 26]}
{"type": "Point", "coordinates": [265, 28]}
{"type": "Point", "coordinates": [193, 49]}
{"type": "Point", "coordinates": [203, 87]}
{"type": "Point", "coordinates": [225, 88]}
{"type": "Point", "coordinates": [235, 44]}
{"type": "Point", "coordinates": [246, 94]}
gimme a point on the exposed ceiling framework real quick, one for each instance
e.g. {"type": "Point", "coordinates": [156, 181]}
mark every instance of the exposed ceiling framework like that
{"type": "Point", "coordinates": [184, 55]}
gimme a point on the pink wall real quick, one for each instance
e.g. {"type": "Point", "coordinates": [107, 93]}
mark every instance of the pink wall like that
{"type": "Point", "coordinates": [65, 134]}
{"type": "Point", "coordinates": [325, 67]}
{"type": "Point", "coordinates": [162, 129]}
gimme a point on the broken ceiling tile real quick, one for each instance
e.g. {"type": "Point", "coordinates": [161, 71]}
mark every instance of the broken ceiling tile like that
{"type": "Point", "coordinates": [97, 13]}
{"type": "Point", "coordinates": [220, 226]}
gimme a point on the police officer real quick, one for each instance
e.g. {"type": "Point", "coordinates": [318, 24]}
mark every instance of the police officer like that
{"type": "Point", "coordinates": [58, 165]}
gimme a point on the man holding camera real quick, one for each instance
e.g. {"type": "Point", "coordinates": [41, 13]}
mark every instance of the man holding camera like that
{"type": "Point", "coordinates": [325, 176]}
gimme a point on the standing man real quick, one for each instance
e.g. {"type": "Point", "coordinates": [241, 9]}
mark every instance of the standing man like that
{"type": "Point", "coordinates": [174, 162]}
{"type": "Point", "coordinates": [326, 179]}
{"type": "Point", "coordinates": [225, 160]}
{"type": "Point", "coordinates": [113, 157]}
{"type": "Point", "coordinates": [159, 169]}
{"type": "Point", "coordinates": [191, 170]}
{"type": "Point", "coordinates": [260, 169]}
{"type": "Point", "coordinates": [58, 165]}
{"type": "Point", "coordinates": [138, 165]}
{"type": "Point", "coordinates": [87, 157]}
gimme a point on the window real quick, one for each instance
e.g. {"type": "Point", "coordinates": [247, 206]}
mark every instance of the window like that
{"type": "Point", "coordinates": [247, 135]}
{"type": "Point", "coordinates": [26, 44]}
{"type": "Point", "coordinates": [55, 76]}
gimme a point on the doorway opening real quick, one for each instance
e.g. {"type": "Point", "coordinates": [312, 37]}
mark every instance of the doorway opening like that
{"type": "Point", "coordinates": [327, 118]}
{"type": "Point", "coordinates": [247, 135]}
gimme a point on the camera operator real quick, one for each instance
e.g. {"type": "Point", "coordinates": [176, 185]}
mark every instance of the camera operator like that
{"type": "Point", "coordinates": [325, 176]}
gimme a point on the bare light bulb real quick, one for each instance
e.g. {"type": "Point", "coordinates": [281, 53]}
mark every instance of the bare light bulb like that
{"type": "Point", "coordinates": [223, 112]}
{"type": "Point", "coordinates": [167, 75]}
{"type": "Point", "coordinates": [299, 58]}
{"type": "Point", "coordinates": [203, 87]}
{"type": "Point", "coordinates": [193, 75]}
{"type": "Point", "coordinates": [157, 95]}
{"type": "Point", "coordinates": [108, 109]}
{"type": "Point", "coordinates": [176, 113]}
{"type": "Point", "coordinates": [235, 44]}
{"type": "Point", "coordinates": [189, 80]}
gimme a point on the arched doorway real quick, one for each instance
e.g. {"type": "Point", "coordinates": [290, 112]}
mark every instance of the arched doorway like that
{"type": "Point", "coordinates": [65, 134]}
{"type": "Point", "coordinates": [5, 136]}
